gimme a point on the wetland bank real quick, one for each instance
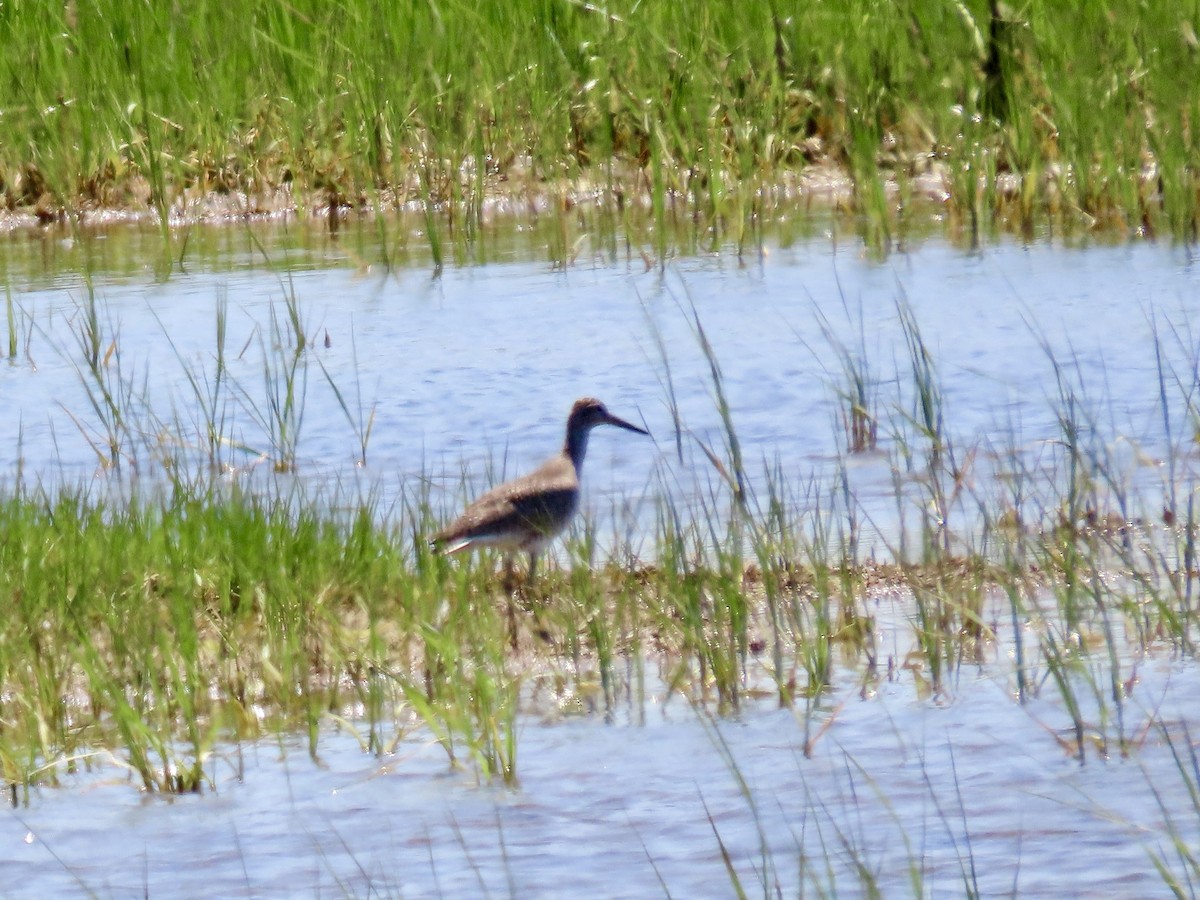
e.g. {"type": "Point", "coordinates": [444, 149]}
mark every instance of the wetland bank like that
{"type": "Point", "coordinates": [898, 599]}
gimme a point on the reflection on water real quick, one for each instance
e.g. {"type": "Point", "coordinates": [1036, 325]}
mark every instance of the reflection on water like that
{"type": "Point", "coordinates": [476, 369]}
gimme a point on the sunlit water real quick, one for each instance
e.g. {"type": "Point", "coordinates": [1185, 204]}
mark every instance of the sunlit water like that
{"type": "Point", "coordinates": [473, 371]}
{"type": "Point", "coordinates": [476, 369]}
{"type": "Point", "coordinates": [976, 788]}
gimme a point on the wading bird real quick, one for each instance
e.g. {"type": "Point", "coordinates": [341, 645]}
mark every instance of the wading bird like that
{"type": "Point", "coordinates": [527, 513]}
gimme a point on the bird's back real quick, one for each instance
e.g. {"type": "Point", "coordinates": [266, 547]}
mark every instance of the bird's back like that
{"type": "Point", "coordinates": [523, 513]}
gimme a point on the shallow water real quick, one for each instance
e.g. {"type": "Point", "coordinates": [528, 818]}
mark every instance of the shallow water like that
{"type": "Point", "coordinates": [474, 370]}
{"type": "Point", "coordinates": [893, 785]}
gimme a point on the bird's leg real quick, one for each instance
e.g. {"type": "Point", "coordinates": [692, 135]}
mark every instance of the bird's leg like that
{"type": "Point", "coordinates": [534, 605]}
{"type": "Point", "coordinates": [530, 594]}
{"type": "Point", "coordinates": [508, 580]}
{"type": "Point", "coordinates": [510, 590]}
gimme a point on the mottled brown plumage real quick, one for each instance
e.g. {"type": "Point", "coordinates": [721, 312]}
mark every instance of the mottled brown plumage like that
{"type": "Point", "coordinates": [527, 513]}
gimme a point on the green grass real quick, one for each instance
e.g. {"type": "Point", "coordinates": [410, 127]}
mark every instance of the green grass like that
{"type": "Point", "coordinates": [697, 112]}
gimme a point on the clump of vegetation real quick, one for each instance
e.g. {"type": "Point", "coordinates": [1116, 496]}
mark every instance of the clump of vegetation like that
{"type": "Point", "coordinates": [583, 110]}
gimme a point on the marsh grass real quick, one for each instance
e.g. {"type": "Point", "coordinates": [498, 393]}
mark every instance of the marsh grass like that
{"type": "Point", "coordinates": [1179, 866]}
{"type": "Point", "coordinates": [112, 392]}
{"type": "Point", "coordinates": [155, 619]}
{"type": "Point", "coordinates": [583, 112]}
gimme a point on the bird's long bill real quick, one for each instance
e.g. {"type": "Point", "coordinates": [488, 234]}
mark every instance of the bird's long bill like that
{"type": "Point", "coordinates": [610, 419]}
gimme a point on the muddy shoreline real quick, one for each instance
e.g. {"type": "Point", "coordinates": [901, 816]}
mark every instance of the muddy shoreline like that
{"type": "Point", "coordinates": [513, 196]}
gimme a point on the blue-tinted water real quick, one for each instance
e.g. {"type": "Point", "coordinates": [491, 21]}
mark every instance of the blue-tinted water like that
{"type": "Point", "coordinates": [473, 372]}
{"type": "Point", "coordinates": [477, 368]}
{"type": "Point", "coordinates": [972, 792]}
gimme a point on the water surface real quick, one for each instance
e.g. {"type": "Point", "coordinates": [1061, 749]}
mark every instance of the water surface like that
{"type": "Point", "coordinates": [472, 371]}
{"type": "Point", "coordinates": [477, 367]}
{"type": "Point", "coordinates": [893, 784]}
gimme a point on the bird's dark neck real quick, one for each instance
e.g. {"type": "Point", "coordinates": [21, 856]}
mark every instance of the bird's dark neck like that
{"type": "Point", "coordinates": [576, 446]}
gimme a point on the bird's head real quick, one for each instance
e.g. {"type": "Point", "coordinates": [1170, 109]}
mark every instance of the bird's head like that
{"type": "Point", "coordinates": [588, 412]}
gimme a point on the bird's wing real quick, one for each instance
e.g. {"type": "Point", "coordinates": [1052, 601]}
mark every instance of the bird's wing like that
{"type": "Point", "coordinates": [542, 501]}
